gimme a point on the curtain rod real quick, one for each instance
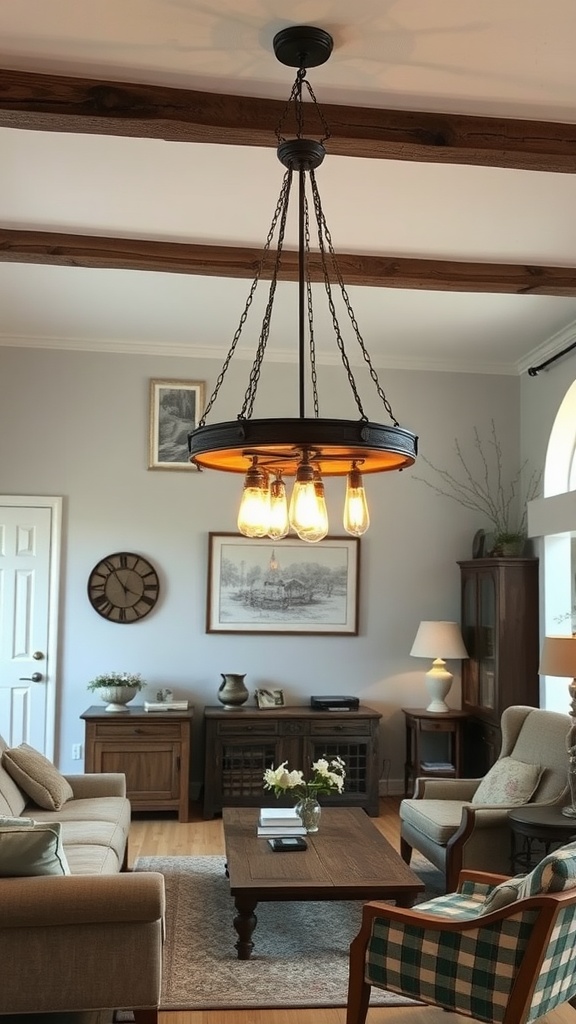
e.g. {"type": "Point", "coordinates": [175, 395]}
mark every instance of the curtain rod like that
{"type": "Point", "coordinates": [534, 370]}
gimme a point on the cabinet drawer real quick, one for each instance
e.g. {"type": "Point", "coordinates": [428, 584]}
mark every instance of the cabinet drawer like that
{"type": "Point", "coordinates": [269, 728]}
{"type": "Point", "coordinates": [427, 726]}
{"type": "Point", "coordinates": [136, 730]}
{"type": "Point", "coordinates": [339, 728]}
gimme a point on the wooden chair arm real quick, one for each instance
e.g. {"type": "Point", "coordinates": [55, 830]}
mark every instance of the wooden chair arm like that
{"type": "Point", "coordinates": [481, 877]}
{"type": "Point", "coordinates": [423, 920]}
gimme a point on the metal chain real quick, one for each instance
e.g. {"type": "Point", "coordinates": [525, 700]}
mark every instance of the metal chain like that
{"type": "Point", "coordinates": [323, 232]}
{"type": "Point", "coordinates": [295, 100]}
{"type": "Point", "coordinates": [281, 205]}
{"type": "Point", "coordinates": [328, 289]}
{"type": "Point", "coordinates": [318, 109]}
{"type": "Point", "coordinates": [250, 395]}
{"type": "Point", "coordinates": [313, 374]}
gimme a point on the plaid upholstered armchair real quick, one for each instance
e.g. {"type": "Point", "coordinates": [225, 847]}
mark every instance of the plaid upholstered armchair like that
{"type": "Point", "coordinates": [497, 950]}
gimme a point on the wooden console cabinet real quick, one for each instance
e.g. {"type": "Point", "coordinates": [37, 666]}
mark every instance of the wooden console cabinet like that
{"type": "Point", "coordinates": [151, 748]}
{"type": "Point", "coordinates": [242, 743]}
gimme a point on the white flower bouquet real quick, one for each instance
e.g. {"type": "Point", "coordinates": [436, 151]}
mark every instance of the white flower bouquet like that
{"type": "Point", "coordinates": [326, 777]}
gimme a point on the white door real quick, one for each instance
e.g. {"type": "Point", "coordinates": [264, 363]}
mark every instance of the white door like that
{"type": "Point", "coordinates": [29, 570]}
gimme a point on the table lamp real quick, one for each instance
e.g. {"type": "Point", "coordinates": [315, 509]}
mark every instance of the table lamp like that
{"type": "Point", "coordinates": [558, 658]}
{"type": "Point", "coordinates": [438, 640]}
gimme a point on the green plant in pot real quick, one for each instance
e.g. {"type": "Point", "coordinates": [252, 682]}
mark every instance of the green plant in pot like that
{"type": "Point", "coordinates": [501, 502]}
{"type": "Point", "coordinates": [117, 688]}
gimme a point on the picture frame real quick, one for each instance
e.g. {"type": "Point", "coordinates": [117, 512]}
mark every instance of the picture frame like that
{"type": "Point", "coordinates": [175, 407]}
{"type": "Point", "coordinates": [282, 587]}
{"type": "Point", "coordinates": [270, 698]}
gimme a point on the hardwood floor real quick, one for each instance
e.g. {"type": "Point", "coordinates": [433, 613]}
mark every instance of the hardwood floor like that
{"type": "Point", "coordinates": [157, 836]}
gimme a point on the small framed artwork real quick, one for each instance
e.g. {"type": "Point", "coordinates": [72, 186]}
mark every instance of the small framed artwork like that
{"type": "Point", "coordinates": [175, 409]}
{"type": "Point", "coordinates": [270, 698]}
{"type": "Point", "coordinates": [287, 586]}
{"type": "Point", "coordinates": [478, 544]}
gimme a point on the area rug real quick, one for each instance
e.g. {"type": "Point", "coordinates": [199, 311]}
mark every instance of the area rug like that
{"type": "Point", "coordinates": [301, 948]}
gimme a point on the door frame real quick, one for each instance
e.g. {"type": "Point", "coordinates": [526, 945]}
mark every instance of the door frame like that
{"type": "Point", "coordinates": [55, 505]}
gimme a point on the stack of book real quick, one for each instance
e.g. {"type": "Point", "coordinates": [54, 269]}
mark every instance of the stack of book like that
{"type": "Point", "coordinates": [279, 821]}
{"type": "Point", "coordinates": [436, 766]}
{"type": "Point", "coordinates": [166, 705]}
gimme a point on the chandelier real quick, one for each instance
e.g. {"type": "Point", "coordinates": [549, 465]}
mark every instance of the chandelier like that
{"type": "Point", "coordinates": [305, 447]}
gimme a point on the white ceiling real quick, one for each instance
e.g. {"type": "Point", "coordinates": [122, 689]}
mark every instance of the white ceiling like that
{"type": "Point", "coordinates": [512, 59]}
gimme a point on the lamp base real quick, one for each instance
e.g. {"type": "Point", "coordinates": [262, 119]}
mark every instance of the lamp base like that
{"type": "Point", "coordinates": [438, 683]}
{"type": "Point", "coordinates": [438, 707]}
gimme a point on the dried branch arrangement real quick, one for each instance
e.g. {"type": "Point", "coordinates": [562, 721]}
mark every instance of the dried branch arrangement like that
{"type": "Point", "coordinates": [501, 502]}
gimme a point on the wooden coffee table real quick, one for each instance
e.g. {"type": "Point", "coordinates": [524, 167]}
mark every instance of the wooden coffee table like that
{"type": "Point", "coordinates": [347, 859]}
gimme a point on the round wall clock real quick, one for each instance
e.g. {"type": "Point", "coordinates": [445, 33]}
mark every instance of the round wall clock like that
{"type": "Point", "coordinates": [123, 587]}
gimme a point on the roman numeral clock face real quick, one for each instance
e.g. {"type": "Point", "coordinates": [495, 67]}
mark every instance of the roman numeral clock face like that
{"type": "Point", "coordinates": [123, 587]}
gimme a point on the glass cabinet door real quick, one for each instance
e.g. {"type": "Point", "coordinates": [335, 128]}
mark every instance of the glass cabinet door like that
{"type": "Point", "coordinates": [469, 635]}
{"type": "Point", "coordinates": [486, 652]}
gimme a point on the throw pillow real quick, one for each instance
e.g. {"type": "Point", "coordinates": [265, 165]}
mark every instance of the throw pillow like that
{"type": "Point", "coordinates": [7, 822]}
{"type": "Point", "coordinates": [508, 782]}
{"type": "Point", "coordinates": [32, 851]}
{"type": "Point", "coordinates": [502, 895]}
{"type": "Point", "coordinates": [554, 873]}
{"type": "Point", "coordinates": [37, 776]}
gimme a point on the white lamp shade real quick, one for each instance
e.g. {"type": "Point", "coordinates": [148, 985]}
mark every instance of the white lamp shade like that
{"type": "Point", "coordinates": [558, 656]}
{"type": "Point", "coordinates": [438, 640]}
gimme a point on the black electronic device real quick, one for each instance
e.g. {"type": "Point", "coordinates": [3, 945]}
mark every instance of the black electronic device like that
{"type": "Point", "coordinates": [286, 844]}
{"type": "Point", "coordinates": [334, 703]}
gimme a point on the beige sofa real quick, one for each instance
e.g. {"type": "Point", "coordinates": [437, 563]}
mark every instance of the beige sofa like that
{"type": "Point", "coordinates": [91, 939]}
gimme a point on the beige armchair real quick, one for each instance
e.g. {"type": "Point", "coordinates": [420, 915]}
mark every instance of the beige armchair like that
{"type": "Point", "coordinates": [442, 823]}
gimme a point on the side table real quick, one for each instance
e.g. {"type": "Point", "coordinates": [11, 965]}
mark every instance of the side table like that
{"type": "Point", "coordinates": [418, 722]}
{"type": "Point", "coordinates": [151, 748]}
{"type": "Point", "coordinates": [535, 828]}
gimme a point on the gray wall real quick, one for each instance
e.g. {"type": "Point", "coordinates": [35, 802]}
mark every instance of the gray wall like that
{"type": "Point", "coordinates": [76, 424]}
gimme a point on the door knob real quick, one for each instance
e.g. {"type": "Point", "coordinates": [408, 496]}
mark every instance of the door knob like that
{"type": "Point", "coordinates": [36, 677]}
{"type": "Point", "coordinates": [38, 655]}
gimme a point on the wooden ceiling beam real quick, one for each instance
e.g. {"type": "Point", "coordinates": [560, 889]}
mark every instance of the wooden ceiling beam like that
{"type": "Point", "coordinates": [80, 105]}
{"type": "Point", "coordinates": [68, 250]}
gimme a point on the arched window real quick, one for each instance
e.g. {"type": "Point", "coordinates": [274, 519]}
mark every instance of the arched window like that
{"type": "Point", "coordinates": [558, 566]}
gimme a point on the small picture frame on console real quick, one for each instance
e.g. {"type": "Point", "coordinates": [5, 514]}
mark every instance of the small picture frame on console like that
{"type": "Point", "coordinates": [270, 698]}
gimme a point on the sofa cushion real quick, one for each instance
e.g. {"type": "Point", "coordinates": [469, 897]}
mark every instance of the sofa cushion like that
{"type": "Point", "coordinates": [6, 821]}
{"type": "Point", "coordinates": [86, 859]}
{"type": "Point", "coordinates": [437, 819]}
{"type": "Point", "coordinates": [37, 776]}
{"type": "Point", "coordinates": [35, 850]}
{"type": "Point", "coordinates": [508, 782]}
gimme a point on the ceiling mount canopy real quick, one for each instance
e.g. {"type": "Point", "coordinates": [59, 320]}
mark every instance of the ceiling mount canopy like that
{"type": "Point", "coordinates": [307, 447]}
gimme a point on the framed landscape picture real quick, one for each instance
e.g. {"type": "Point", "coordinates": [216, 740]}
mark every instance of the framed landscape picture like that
{"type": "Point", "coordinates": [175, 408]}
{"type": "Point", "coordinates": [287, 586]}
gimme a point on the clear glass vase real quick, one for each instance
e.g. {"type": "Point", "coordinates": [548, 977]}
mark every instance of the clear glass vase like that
{"type": "Point", "coordinates": [309, 810]}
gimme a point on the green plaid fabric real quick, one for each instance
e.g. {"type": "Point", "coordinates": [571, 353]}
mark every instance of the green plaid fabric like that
{"type": "Point", "coordinates": [453, 905]}
{"type": "Point", "coordinates": [469, 972]}
{"type": "Point", "coordinates": [472, 972]}
{"type": "Point", "coordinates": [557, 980]}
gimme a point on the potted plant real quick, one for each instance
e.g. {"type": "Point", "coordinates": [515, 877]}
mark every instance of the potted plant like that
{"type": "Point", "coordinates": [117, 688]}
